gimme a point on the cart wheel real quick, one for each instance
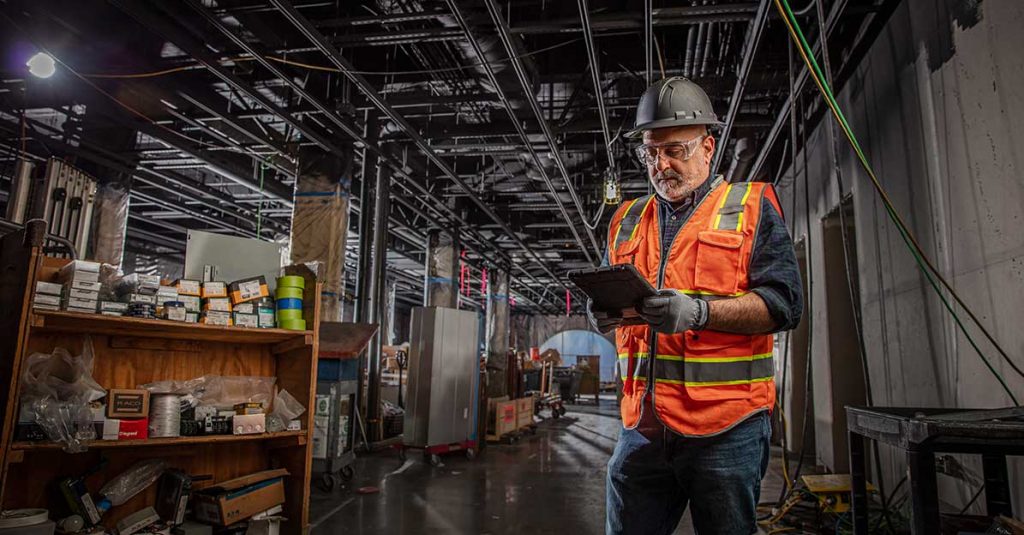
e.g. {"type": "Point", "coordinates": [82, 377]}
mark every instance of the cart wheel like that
{"type": "Point", "coordinates": [554, 412]}
{"type": "Point", "coordinates": [401, 454]}
{"type": "Point", "coordinates": [326, 482]}
{"type": "Point", "coordinates": [435, 460]}
{"type": "Point", "coordinates": [347, 473]}
{"type": "Point", "coordinates": [471, 454]}
{"type": "Point", "coordinates": [561, 411]}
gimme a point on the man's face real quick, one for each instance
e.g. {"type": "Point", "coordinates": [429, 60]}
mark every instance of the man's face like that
{"type": "Point", "coordinates": [675, 178]}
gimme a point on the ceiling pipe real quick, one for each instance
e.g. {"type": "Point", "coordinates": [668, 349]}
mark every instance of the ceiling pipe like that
{"type": "Point", "coordinates": [517, 65]}
{"type": "Point", "coordinates": [783, 115]}
{"type": "Point", "coordinates": [520, 130]}
{"type": "Point", "coordinates": [754, 33]}
{"type": "Point", "coordinates": [339, 61]}
{"type": "Point", "coordinates": [595, 74]}
{"type": "Point", "coordinates": [649, 40]}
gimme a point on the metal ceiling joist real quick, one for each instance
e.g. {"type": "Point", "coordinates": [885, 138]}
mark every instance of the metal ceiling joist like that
{"type": "Point", "coordinates": [453, 6]}
{"type": "Point", "coordinates": [595, 74]}
{"type": "Point", "coordinates": [754, 32]}
{"type": "Point", "coordinates": [520, 71]}
{"type": "Point", "coordinates": [339, 61]}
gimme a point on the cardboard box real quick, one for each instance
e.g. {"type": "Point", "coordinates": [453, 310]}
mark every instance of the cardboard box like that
{"type": "Point", "coordinates": [249, 407]}
{"type": "Point", "coordinates": [524, 412]}
{"type": "Point", "coordinates": [113, 306]}
{"type": "Point", "coordinates": [219, 304]}
{"type": "Point", "coordinates": [89, 286]}
{"type": "Point", "coordinates": [192, 303]}
{"type": "Point", "coordinates": [249, 424]}
{"type": "Point", "coordinates": [214, 289]}
{"type": "Point", "coordinates": [235, 500]}
{"type": "Point", "coordinates": [248, 289]}
{"type": "Point", "coordinates": [127, 403]}
{"type": "Point", "coordinates": [48, 288]}
{"type": "Point", "coordinates": [75, 293]}
{"type": "Point", "coordinates": [245, 308]}
{"type": "Point", "coordinates": [189, 287]}
{"type": "Point", "coordinates": [246, 320]}
{"type": "Point", "coordinates": [45, 299]}
{"type": "Point", "coordinates": [37, 306]}
{"type": "Point", "coordinates": [115, 429]}
{"type": "Point", "coordinates": [142, 298]}
{"type": "Point", "coordinates": [80, 310]}
{"type": "Point", "coordinates": [73, 302]}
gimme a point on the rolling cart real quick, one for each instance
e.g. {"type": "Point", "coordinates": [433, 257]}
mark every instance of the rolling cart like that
{"type": "Point", "coordinates": [336, 410]}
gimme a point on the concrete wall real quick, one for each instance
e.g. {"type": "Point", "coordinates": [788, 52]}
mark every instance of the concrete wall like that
{"type": "Point", "coordinates": [938, 105]}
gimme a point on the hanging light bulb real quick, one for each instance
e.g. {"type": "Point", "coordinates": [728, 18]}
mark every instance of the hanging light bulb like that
{"type": "Point", "coordinates": [41, 65]}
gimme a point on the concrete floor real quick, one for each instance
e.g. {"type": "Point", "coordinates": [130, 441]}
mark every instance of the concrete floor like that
{"type": "Point", "coordinates": [549, 483]}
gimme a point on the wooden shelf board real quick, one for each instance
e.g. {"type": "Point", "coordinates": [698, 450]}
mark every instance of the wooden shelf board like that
{"type": "Point", "coordinates": [76, 322]}
{"type": "Point", "coordinates": [292, 438]}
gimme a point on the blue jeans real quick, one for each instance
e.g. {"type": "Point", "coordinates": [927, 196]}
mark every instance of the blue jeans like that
{"type": "Point", "coordinates": [654, 474]}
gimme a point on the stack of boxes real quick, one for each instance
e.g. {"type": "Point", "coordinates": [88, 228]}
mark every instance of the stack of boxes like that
{"type": "Point", "coordinates": [47, 296]}
{"type": "Point", "coordinates": [140, 293]}
{"type": "Point", "coordinates": [190, 293]}
{"type": "Point", "coordinates": [168, 305]}
{"type": "Point", "coordinates": [81, 281]}
{"type": "Point", "coordinates": [245, 297]}
{"type": "Point", "coordinates": [288, 297]}
{"type": "Point", "coordinates": [216, 304]}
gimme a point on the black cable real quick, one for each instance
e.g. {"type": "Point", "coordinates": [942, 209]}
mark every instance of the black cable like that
{"type": "Point", "coordinates": [973, 499]}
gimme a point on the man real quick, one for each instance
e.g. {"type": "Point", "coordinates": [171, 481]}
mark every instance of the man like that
{"type": "Point", "coordinates": [698, 377]}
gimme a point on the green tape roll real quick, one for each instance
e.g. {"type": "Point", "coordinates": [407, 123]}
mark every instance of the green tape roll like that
{"type": "Point", "coordinates": [287, 293]}
{"type": "Point", "coordinates": [291, 281]}
{"type": "Point", "coordinates": [293, 325]}
{"type": "Point", "coordinates": [289, 314]}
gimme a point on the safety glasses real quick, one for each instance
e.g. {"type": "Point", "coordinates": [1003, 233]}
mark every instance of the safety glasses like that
{"type": "Point", "coordinates": [648, 154]}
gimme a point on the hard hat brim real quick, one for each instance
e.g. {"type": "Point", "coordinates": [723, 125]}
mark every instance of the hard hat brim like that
{"type": "Point", "coordinates": [637, 132]}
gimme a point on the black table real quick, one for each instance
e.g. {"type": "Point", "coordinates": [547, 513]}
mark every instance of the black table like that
{"type": "Point", "coordinates": [923, 432]}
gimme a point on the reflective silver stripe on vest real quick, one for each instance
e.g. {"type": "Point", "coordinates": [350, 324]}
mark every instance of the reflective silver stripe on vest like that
{"type": "Point", "coordinates": [731, 212]}
{"type": "Point", "coordinates": [640, 373]}
{"type": "Point", "coordinates": [631, 220]}
{"type": "Point", "coordinates": [712, 372]}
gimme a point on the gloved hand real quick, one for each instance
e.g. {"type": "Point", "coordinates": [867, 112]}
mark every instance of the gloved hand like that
{"type": "Point", "coordinates": [672, 311]}
{"type": "Point", "coordinates": [602, 321]}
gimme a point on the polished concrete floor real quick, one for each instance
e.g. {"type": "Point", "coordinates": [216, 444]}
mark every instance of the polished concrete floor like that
{"type": "Point", "coordinates": [552, 482]}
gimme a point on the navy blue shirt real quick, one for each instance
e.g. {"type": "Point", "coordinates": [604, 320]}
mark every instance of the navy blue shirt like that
{"type": "Point", "coordinates": [773, 272]}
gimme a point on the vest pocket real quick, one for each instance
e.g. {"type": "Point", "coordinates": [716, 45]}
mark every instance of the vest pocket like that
{"type": "Point", "coordinates": [718, 261]}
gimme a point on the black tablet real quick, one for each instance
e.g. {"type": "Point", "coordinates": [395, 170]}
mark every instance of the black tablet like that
{"type": "Point", "coordinates": [617, 289]}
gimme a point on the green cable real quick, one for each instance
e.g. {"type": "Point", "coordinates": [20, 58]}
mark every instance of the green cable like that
{"type": "Point", "coordinates": [890, 210]}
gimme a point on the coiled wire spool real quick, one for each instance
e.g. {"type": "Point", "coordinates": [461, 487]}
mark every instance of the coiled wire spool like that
{"type": "Point", "coordinates": [164, 415]}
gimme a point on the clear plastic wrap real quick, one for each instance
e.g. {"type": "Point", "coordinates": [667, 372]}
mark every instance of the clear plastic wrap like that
{"type": "Point", "coordinates": [222, 392]}
{"type": "Point", "coordinates": [109, 222]}
{"type": "Point", "coordinates": [131, 482]}
{"type": "Point", "coordinates": [286, 409]}
{"type": "Point", "coordinates": [57, 388]}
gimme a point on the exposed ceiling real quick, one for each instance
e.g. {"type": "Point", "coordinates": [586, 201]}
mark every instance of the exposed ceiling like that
{"type": "Point", "coordinates": [484, 110]}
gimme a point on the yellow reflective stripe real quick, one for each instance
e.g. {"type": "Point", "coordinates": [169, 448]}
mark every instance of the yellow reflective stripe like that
{"type": "Point", "coordinates": [725, 197]}
{"type": "Point", "coordinates": [716, 383]}
{"type": "Point", "coordinates": [642, 212]}
{"type": "Point", "coordinates": [739, 220]}
{"type": "Point", "coordinates": [618, 228]}
{"type": "Point", "coordinates": [729, 359]}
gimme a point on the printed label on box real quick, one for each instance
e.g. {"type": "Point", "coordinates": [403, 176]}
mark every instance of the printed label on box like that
{"type": "Point", "coordinates": [250, 289]}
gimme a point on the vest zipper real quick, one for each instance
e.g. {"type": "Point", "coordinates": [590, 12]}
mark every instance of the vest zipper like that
{"type": "Point", "coordinates": [662, 262]}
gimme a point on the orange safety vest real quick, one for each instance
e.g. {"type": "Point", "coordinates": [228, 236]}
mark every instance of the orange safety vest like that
{"type": "Point", "coordinates": [704, 381]}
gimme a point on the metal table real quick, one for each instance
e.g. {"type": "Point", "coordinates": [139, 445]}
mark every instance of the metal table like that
{"type": "Point", "coordinates": [921, 433]}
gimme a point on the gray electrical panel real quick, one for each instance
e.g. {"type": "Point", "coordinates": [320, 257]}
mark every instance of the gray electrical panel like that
{"type": "Point", "coordinates": [441, 391]}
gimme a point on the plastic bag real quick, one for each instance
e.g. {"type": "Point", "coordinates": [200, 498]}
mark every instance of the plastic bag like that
{"type": "Point", "coordinates": [130, 482]}
{"type": "Point", "coordinates": [286, 409]}
{"type": "Point", "coordinates": [222, 392]}
{"type": "Point", "coordinates": [57, 388]}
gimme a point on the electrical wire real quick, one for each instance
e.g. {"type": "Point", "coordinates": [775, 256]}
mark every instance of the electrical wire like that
{"type": "Point", "coordinates": [925, 265]}
{"type": "Point", "coordinates": [973, 499]}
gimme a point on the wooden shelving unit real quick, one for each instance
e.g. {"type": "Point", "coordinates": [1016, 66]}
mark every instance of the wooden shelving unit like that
{"type": "Point", "coordinates": [130, 352]}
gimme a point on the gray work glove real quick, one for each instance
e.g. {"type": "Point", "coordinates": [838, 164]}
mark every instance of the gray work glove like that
{"type": "Point", "coordinates": [602, 321]}
{"type": "Point", "coordinates": [672, 312]}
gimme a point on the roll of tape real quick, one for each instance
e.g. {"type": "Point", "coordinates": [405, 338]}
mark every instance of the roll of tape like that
{"type": "Point", "coordinates": [287, 293]}
{"type": "Point", "coordinates": [293, 325]}
{"type": "Point", "coordinates": [289, 304]}
{"type": "Point", "coordinates": [291, 281]}
{"type": "Point", "coordinates": [289, 314]}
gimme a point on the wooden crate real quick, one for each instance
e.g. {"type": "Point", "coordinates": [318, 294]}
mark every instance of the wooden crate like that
{"type": "Point", "coordinates": [133, 351]}
{"type": "Point", "coordinates": [524, 412]}
{"type": "Point", "coordinates": [501, 417]}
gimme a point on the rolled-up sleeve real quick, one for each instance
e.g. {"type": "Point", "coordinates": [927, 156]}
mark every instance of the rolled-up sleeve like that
{"type": "Point", "coordinates": [774, 274]}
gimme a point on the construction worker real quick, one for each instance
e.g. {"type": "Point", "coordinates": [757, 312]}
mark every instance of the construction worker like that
{"type": "Point", "coordinates": [698, 377]}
